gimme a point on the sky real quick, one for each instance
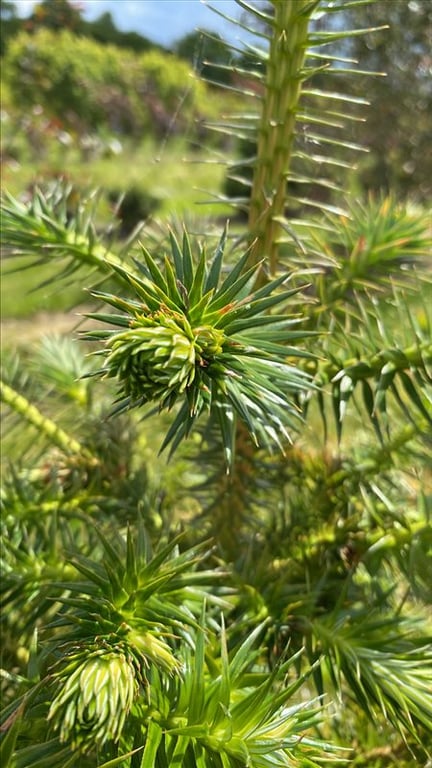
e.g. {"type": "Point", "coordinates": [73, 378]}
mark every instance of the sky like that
{"type": "Point", "coordinates": [162, 21]}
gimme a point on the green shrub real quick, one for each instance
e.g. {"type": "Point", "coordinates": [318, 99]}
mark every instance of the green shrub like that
{"type": "Point", "coordinates": [86, 85]}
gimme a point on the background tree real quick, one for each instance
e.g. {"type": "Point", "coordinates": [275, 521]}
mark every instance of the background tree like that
{"type": "Point", "coordinates": [56, 15]}
{"type": "Point", "coordinates": [104, 30]}
{"type": "Point", "coordinates": [210, 56]}
{"type": "Point", "coordinates": [9, 23]}
{"type": "Point", "coordinates": [397, 130]}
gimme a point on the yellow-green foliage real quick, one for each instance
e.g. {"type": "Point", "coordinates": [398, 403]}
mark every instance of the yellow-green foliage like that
{"type": "Point", "coordinates": [171, 79]}
{"type": "Point", "coordinates": [86, 85]}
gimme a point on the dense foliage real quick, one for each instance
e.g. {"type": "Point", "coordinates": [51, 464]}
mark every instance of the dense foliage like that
{"type": "Point", "coordinates": [263, 599]}
{"type": "Point", "coordinates": [86, 86]}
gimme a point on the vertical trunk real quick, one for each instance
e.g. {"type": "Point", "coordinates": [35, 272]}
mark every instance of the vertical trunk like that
{"type": "Point", "coordinates": [276, 130]}
{"type": "Point", "coordinates": [277, 126]}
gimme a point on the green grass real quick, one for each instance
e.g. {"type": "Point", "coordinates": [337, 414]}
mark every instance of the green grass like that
{"type": "Point", "coordinates": [168, 171]}
{"type": "Point", "coordinates": [21, 295]}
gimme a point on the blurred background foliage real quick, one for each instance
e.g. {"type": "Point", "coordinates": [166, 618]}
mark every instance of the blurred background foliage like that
{"type": "Point", "coordinates": [98, 88]}
{"type": "Point", "coordinates": [87, 102]}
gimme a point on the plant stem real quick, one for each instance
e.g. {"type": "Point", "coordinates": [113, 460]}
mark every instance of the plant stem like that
{"type": "Point", "coordinates": [46, 426]}
{"type": "Point", "coordinates": [277, 127]}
